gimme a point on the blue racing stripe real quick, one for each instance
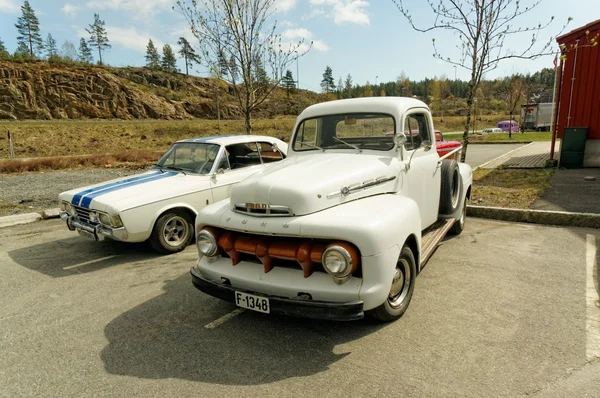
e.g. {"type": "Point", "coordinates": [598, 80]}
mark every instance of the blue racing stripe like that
{"type": "Point", "coordinates": [87, 199]}
{"type": "Point", "coordinates": [77, 197]}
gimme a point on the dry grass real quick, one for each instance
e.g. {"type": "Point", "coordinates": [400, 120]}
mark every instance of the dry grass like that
{"type": "Point", "coordinates": [64, 138]}
{"type": "Point", "coordinates": [511, 188]}
{"type": "Point", "coordinates": [133, 159]}
{"type": "Point", "coordinates": [457, 123]}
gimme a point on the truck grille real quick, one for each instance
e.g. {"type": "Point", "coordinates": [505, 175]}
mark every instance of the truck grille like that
{"type": "Point", "coordinates": [84, 215]}
{"type": "Point", "coordinates": [274, 252]}
{"type": "Point", "coordinates": [262, 209]}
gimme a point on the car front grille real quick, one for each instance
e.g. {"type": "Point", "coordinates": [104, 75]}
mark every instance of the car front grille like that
{"type": "Point", "coordinates": [84, 215]}
{"type": "Point", "coordinates": [262, 210]}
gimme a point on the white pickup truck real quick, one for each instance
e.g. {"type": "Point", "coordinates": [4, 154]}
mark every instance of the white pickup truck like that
{"type": "Point", "coordinates": [342, 226]}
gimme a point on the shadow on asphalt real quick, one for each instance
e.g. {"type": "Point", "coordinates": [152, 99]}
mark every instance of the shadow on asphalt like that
{"type": "Point", "coordinates": [77, 255]}
{"type": "Point", "coordinates": [165, 337]}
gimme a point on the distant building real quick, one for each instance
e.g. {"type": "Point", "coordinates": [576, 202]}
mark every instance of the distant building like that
{"type": "Point", "coordinates": [578, 87]}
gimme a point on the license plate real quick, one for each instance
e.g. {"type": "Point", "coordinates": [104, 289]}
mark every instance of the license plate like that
{"type": "Point", "coordinates": [252, 302]}
{"type": "Point", "coordinates": [86, 234]}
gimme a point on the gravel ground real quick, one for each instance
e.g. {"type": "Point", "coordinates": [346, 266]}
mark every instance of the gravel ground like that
{"type": "Point", "coordinates": [30, 192]}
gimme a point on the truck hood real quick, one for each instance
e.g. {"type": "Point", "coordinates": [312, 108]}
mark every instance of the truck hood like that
{"type": "Point", "coordinates": [312, 182]}
{"type": "Point", "coordinates": [133, 191]}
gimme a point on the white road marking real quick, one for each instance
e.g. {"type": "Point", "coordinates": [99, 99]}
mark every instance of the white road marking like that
{"type": "Point", "coordinates": [592, 299]}
{"type": "Point", "coordinates": [507, 154]}
{"type": "Point", "coordinates": [224, 318]}
{"type": "Point", "coordinates": [89, 262]}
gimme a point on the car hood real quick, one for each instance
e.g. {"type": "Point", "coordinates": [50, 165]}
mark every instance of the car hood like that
{"type": "Point", "coordinates": [124, 193]}
{"type": "Point", "coordinates": [309, 183]}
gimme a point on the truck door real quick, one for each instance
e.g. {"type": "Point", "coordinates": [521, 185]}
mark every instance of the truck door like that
{"type": "Point", "coordinates": [423, 177]}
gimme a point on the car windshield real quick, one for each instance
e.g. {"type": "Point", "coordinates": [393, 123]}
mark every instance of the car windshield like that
{"type": "Point", "coordinates": [189, 157]}
{"type": "Point", "coordinates": [373, 131]}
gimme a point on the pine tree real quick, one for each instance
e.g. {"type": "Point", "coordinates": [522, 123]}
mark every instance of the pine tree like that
{"type": "Point", "coordinates": [85, 53]}
{"type": "Point", "coordinates": [288, 82]}
{"type": "Point", "coordinates": [98, 37]}
{"type": "Point", "coordinates": [169, 62]}
{"type": "Point", "coordinates": [188, 54]}
{"type": "Point", "coordinates": [328, 84]}
{"type": "Point", "coordinates": [3, 52]}
{"type": "Point", "coordinates": [340, 88]}
{"type": "Point", "coordinates": [348, 87]}
{"type": "Point", "coordinates": [28, 27]}
{"type": "Point", "coordinates": [51, 49]}
{"type": "Point", "coordinates": [152, 57]}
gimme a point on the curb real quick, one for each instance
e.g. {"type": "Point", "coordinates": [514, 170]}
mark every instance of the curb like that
{"type": "Point", "coordinates": [17, 219]}
{"type": "Point", "coordinates": [545, 217]}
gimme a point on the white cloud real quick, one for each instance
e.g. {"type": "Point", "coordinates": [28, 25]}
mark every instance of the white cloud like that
{"type": "Point", "coordinates": [320, 45]}
{"type": "Point", "coordinates": [284, 5]}
{"type": "Point", "coordinates": [291, 37]}
{"type": "Point", "coordinates": [127, 37]}
{"type": "Point", "coordinates": [145, 7]}
{"type": "Point", "coordinates": [8, 6]}
{"type": "Point", "coordinates": [350, 11]}
{"type": "Point", "coordinates": [298, 33]}
{"type": "Point", "coordinates": [69, 9]}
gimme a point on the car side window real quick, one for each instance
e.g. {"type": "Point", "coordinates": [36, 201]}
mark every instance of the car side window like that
{"type": "Point", "coordinates": [269, 153]}
{"type": "Point", "coordinates": [243, 155]}
{"type": "Point", "coordinates": [416, 129]}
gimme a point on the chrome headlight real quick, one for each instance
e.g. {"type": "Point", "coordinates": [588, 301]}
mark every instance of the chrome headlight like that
{"type": "Point", "coordinates": [69, 208]}
{"type": "Point", "coordinates": [93, 216]}
{"type": "Point", "coordinates": [105, 219]}
{"type": "Point", "coordinates": [207, 243]}
{"type": "Point", "coordinates": [337, 261]}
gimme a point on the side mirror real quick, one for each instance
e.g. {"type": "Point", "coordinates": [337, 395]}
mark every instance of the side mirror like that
{"type": "Point", "coordinates": [426, 145]}
{"type": "Point", "coordinates": [400, 139]}
{"type": "Point", "coordinates": [221, 171]}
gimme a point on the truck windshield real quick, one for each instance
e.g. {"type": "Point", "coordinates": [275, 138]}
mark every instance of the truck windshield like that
{"type": "Point", "coordinates": [371, 131]}
{"type": "Point", "coordinates": [192, 157]}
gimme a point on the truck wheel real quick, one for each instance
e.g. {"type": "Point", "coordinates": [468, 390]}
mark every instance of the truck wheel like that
{"type": "Point", "coordinates": [401, 290]}
{"type": "Point", "coordinates": [451, 187]}
{"type": "Point", "coordinates": [172, 232]}
{"type": "Point", "coordinates": [459, 225]}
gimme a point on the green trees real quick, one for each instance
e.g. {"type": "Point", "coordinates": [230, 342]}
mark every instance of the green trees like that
{"type": "Point", "coordinates": [28, 26]}
{"type": "Point", "coordinates": [169, 62]}
{"type": "Point", "coordinates": [187, 52]}
{"type": "Point", "coordinates": [68, 51]}
{"type": "Point", "coordinates": [328, 84]}
{"type": "Point", "coordinates": [3, 52]}
{"type": "Point", "coordinates": [288, 82]}
{"type": "Point", "coordinates": [50, 45]}
{"type": "Point", "coordinates": [98, 37]}
{"type": "Point", "coordinates": [152, 57]}
{"type": "Point", "coordinates": [85, 53]}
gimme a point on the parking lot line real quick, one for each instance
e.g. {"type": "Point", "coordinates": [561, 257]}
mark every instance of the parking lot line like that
{"type": "Point", "coordinates": [97, 260]}
{"type": "Point", "coordinates": [592, 299]}
{"type": "Point", "coordinates": [224, 318]}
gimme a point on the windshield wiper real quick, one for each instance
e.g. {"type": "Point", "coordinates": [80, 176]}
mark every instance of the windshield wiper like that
{"type": "Point", "coordinates": [350, 145]}
{"type": "Point", "coordinates": [170, 168]}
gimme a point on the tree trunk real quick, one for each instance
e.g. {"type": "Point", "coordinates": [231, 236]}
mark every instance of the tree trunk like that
{"type": "Point", "coordinates": [186, 66]}
{"type": "Point", "coordinates": [100, 55]}
{"type": "Point", "coordinates": [218, 108]}
{"type": "Point", "coordinates": [465, 141]}
{"type": "Point", "coordinates": [510, 125]}
{"type": "Point", "coordinates": [248, 121]}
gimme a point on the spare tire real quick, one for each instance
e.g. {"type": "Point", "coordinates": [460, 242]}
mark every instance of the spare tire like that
{"type": "Point", "coordinates": [451, 187]}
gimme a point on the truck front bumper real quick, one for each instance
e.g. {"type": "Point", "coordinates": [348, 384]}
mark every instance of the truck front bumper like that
{"type": "Point", "coordinates": [305, 308]}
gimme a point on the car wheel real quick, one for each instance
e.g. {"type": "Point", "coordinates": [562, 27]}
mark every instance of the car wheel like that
{"type": "Point", "coordinates": [459, 225]}
{"type": "Point", "coordinates": [450, 188]}
{"type": "Point", "coordinates": [401, 290]}
{"type": "Point", "coordinates": [172, 232]}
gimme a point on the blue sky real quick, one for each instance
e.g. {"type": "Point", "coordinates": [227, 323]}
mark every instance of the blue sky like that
{"type": "Point", "coordinates": [368, 39]}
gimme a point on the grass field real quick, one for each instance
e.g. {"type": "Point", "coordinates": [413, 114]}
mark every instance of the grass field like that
{"type": "Point", "coordinates": [503, 137]}
{"type": "Point", "coordinates": [512, 188]}
{"type": "Point", "coordinates": [78, 137]}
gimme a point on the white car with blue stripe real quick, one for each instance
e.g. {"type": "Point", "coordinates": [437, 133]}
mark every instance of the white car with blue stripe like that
{"type": "Point", "coordinates": [160, 205]}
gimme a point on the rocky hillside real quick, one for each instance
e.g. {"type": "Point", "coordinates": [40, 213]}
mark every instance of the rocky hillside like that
{"type": "Point", "coordinates": [41, 90]}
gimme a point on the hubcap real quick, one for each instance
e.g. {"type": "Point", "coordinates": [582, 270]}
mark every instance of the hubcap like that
{"type": "Point", "coordinates": [400, 284]}
{"type": "Point", "coordinates": [463, 215]}
{"type": "Point", "coordinates": [175, 231]}
{"type": "Point", "coordinates": [455, 188]}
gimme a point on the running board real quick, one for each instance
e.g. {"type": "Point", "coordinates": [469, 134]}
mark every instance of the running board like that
{"type": "Point", "coordinates": [432, 238]}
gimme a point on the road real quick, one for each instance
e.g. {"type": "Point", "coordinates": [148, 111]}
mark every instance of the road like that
{"type": "Point", "coordinates": [501, 310]}
{"type": "Point", "coordinates": [482, 153]}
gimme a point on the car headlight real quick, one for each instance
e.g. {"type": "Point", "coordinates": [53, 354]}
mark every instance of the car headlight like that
{"type": "Point", "coordinates": [93, 216]}
{"type": "Point", "coordinates": [69, 208]}
{"type": "Point", "coordinates": [105, 219]}
{"type": "Point", "coordinates": [206, 242]}
{"type": "Point", "coordinates": [340, 260]}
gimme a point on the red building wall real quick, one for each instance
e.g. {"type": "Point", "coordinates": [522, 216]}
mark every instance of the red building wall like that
{"type": "Point", "coordinates": [579, 98]}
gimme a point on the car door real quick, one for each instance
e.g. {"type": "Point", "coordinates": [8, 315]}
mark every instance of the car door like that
{"type": "Point", "coordinates": [423, 177]}
{"type": "Point", "coordinates": [237, 162]}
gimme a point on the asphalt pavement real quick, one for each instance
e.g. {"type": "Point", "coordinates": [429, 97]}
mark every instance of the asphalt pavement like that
{"type": "Point", "coordinates": [478, 154]}
{"type": "Point", "coordinates": [502, 310]}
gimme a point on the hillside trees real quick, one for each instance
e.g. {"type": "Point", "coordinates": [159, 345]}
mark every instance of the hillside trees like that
{"type": "Point", "coordinates": [288, 82]}
{"type": "Point", "coordinates": [152, 57]}
{"type": "Point", "coordinates": [51, 47]}
{"type": "Point", "coordinates": [327, 83]}
{"type": "Point", "coordinates": [28, 26]}
{"type": "Point", "coordinates": [187, 52]}
{"type": "Point", "coordinates": [168, 62]}
{"type": "Point", "coordinates": [85, 53]}
{"type": "Point", "coordinates": [242, 32]}
{"type": "Point", "coordinates": [3, 52]}
{"type": "Point", "coordinates": [482, 28]}
{"type": "Point", "coordinates": [98, 36]}
{"type": "Point", "coordinates": [68, 51]}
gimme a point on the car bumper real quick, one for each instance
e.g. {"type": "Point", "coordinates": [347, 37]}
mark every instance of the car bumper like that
{"type": "Point", "coordinates": [348, 311]}
{"type": "Point", "coordinates": [95, 232]}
